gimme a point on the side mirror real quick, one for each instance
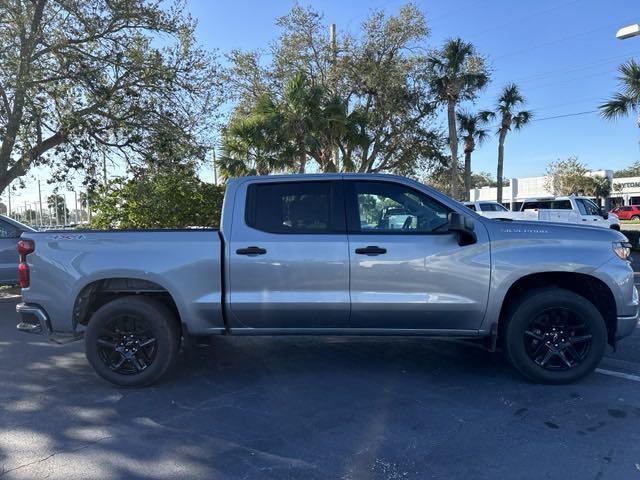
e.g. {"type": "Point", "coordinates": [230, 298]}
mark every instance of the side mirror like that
{"type": "Point", "coordinates": [463, 226]}
{"type": "Point", "coordinates": [604, 213]}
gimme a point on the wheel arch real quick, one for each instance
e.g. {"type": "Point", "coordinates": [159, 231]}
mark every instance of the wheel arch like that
{"type": "Point", "coordinates": [591, 288]}
{"type": "Point", "coordinates": [101, 291]}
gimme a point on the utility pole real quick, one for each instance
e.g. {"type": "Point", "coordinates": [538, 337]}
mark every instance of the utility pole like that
{"type": "Point", "coordinates": [215, 170]}
{"type": "Point", "coordinates": [104, 170]}
{"type": "Point", "coordinates": [64, 204]}
{"type": "Point", "coordinates": [88, 208]}
{"type": "Point", "coordinates": [75, 196]}
{"type": "Point", "coordinates": [333, 45]}
{"type": "Point", "coordinates": [40, 202]}
{"type": "Point", "coordinates": [55, 196]}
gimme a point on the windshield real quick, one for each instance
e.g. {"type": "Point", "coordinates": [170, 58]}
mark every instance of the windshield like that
{"type": "Point", "coordinates": [492, 207]}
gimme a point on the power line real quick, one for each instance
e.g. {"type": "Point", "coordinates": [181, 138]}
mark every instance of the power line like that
{"type": "Point", "coordinates": [576, 114]}
{"type": "Point", "coordinates": [514, 22]}
{"type": "Point", "coordinates": [553, 117]}
{"type": "Point", "coordinates": [562, 39]}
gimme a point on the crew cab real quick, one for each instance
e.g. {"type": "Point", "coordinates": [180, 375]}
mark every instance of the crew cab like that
{"type": "Point", "coordinates": [569, 209]}
{"type": "Point", "coordinates": [333, 254]}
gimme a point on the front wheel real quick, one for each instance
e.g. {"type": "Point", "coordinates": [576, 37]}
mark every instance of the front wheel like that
{"type": "Point", "coordinates": [635, 217]}
{"type": "Point", "coordinates": [132, 341]}
{"type": "Point", "coordinates": [554, 336]}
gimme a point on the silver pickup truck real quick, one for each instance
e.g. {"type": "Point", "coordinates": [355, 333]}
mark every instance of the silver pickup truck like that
{"type": "Point", "coordinates": [333, 255]}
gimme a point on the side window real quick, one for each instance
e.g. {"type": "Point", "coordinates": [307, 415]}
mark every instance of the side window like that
{"type": "Point", "coordinates": [492, 207]}
{"type": "Point", "coordinates": [384, 207]}
{"type": "Point", "coordinates": [293, 207]}
{"type": "Point", "coordinates": [561, 205]}
{"type": "Point", "coordinates": [592, 208]}
{"type": "Point", "coordinates": [581, 207]}
{"type": "Point", "coordinates": [471, 206]}
{"type": "Point", "coordinates": [8, 231]}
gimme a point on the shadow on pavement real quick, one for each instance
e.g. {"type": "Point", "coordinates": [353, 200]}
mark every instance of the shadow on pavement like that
{"type": "Point", "coordinates": [307, 408]}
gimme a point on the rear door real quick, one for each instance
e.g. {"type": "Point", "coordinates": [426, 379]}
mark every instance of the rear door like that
{"type": "Point", "coordinates": [9, 236]}
{"type": "Point", "coordinates": [407, 270]}
{"type": "Point", "coordinates": [288, 256]}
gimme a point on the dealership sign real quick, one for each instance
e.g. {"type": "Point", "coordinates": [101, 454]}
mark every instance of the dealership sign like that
{"type": "Point", "coordinates": [628, 185]}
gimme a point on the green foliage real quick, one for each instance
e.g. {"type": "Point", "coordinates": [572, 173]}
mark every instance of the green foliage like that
{"type": "Point", "coordinates": [58, 206]}
{"type": "Point", "coordinates": [505, 111]}
{"type": "Point", "coordinates": [570, 177]}
{"type": "Point", "coordinates": [634, 238]}
{"type": "Point", "coordinates": [84, 80]}
{"type": "Point", "coordinates": [168, 197]}
{"type": "Point", "coordinates": [456, 73]}
{"type": "Point", "coordinates": [627, 100]}
{"type": "Point", "coordinates": [631, 171]}
{"type": "Point", "coordinates": [363, 104]}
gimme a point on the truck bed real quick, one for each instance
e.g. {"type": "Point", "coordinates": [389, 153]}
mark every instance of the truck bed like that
{"type": "Point", "coordinates": [185, 263]}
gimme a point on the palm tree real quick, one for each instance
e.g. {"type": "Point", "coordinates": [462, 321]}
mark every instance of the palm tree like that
{"type": "Point", "coordinates": [628, 100]}
{"type": "Point", "coordinates": [472, 134]}
{"type": "Point", "coordinates": [255, 143]}
{"type": "Point", "coordinates": [508, 101]}
{"type": "Point", "coordinates": [300, 108]}
{"type": "Point", "coordinates": [456, 73]}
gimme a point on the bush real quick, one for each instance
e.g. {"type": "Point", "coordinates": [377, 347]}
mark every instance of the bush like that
{"type": "Point", "coordinates": [634, 238]}
{"type": "Point", "coordinates": [167, 197]}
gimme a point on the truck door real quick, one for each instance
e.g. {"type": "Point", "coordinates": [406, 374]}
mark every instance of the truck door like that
{"type": "Point", "coordinates": [590, 213]}
{"type": "Point", "coordinates": [407, 270]}
{"type": "Point", "coordinates": [288, 258]}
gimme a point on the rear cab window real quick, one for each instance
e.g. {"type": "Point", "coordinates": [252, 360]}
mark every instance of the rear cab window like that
{"type": "Point", "coordinates": [8, 231]}
{"type": "Point", "coordinates": [296, 207]}
{"type": "Point", "coordinates": [548, 205]}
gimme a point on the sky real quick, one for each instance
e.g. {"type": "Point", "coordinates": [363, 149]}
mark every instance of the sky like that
{"type": "Point", "coordinates": [563, 54]}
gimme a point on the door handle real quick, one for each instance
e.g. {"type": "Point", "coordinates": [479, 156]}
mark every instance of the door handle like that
{"type": "Point", "coordinates": [371, 250]}
{"type": "Point", "coordinates": [251, 251]}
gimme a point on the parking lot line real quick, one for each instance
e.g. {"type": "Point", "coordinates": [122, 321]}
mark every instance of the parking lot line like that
{"type": "Point", "coordinates": [613, 373]}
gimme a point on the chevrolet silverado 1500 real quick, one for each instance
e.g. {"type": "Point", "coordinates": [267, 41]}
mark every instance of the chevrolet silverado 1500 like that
{"type": "Point", "coordinates": [333, 254]}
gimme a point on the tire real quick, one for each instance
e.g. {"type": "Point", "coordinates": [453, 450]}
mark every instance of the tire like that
{"type": "Point", "coordinates": [544, 316]}
{"type": "Point", "coordinates": [635, 217]}
{"type": "Point", "coordinates": [138, 333]}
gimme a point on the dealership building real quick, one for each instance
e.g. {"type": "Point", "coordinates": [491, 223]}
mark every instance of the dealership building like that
{"type": "Point", "coordinates": [625, 191]}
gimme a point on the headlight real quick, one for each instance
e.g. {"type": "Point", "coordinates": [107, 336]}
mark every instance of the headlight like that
{"type": "Point", "coordinates": [622, 249]}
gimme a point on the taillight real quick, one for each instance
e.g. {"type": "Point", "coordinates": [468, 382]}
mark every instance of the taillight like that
{"type": "Point", "coordinates": [25, 247]}
{"type": "Point", "coordinates": [23, 274]}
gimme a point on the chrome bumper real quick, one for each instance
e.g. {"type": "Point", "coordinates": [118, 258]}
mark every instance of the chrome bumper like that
{"type": "Point", "coordinates": [33, 319]}
{"type": "Point", "coordinates": [626, 325]}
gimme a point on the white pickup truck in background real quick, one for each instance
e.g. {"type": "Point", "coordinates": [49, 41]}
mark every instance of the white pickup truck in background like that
{"type": "Point", "coordinates": [569, 209]}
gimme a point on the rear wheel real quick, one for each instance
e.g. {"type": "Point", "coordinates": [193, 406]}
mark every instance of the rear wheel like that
{"type": "Point", "coordinates": [554, 336]}
{"type": "Point", "coordinates": [635, 217]}
{"type": "Point", "coordinates": [132, 341]}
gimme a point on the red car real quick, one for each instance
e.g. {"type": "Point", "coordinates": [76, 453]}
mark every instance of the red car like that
{"type": "Point", "coordinates": [632, 212]}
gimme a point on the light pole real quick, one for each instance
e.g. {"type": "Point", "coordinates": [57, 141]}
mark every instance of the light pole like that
{"type": "Point", "coordinates": [628, 31]}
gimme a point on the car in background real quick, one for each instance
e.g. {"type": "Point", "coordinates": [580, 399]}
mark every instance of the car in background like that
{"type": "Point", "coordinates": [10, 231]}
{"type": "Point", "coordinates": [492, 209]}
{"type": "Point", "coordinates": [630, 212]}
{"type": "Point", "coordinates": [485, 206]}
{"type": "Point", "coordinates": [570, 209]}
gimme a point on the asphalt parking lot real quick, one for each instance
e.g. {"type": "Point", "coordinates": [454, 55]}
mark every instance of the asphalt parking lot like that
{"type": "Point", "coordinates": [311, 408]}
